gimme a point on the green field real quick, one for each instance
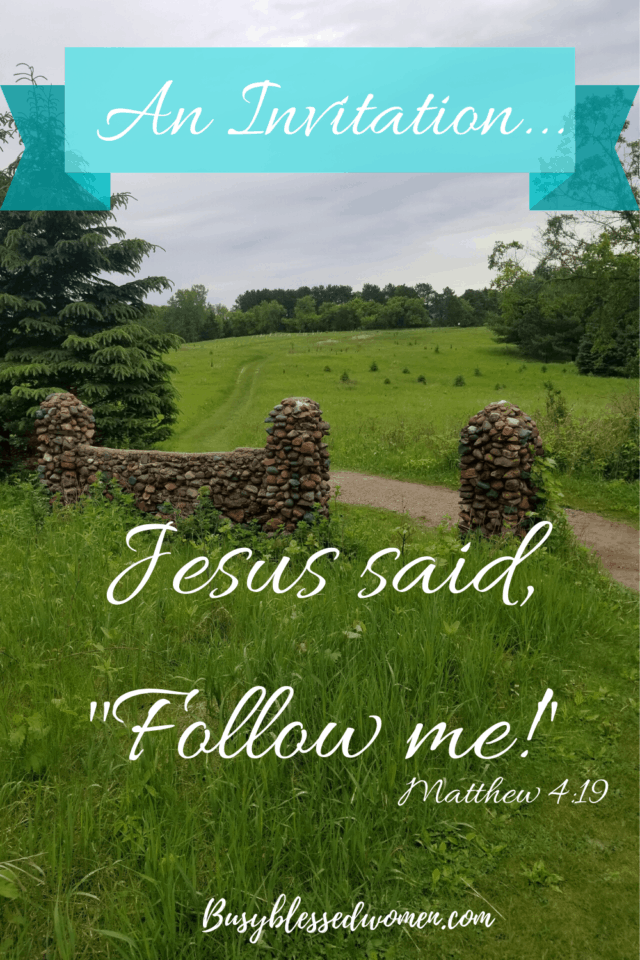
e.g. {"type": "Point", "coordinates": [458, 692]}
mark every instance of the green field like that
{"type": "Point", "coordinates": [406, 429]}
{"type": "Point", "coordinates": [103, 857]}
{"type": "Point", "coordinates": [108, 858]}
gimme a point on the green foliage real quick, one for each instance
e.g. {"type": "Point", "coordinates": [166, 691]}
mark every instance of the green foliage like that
{"type": "Point", "coordinates": [538, 874]}
{"type": "Point", "coordinates": [396, 313]}
{"type": "Point", "coordinates": [373, 367]}
{"type": "Point", "coordinates": [343, 316]}
{"type": "Point", "coordinates": [555, 402]}
{"type": "Point", "coordinates": [604, 446]}
{"type": "Point", "coordinates": [449, 310]}
{"type": "Point", "coordinates": [580, 300]}
{"type": "Point", "coordinates": [331, 294]}
{"type": "Point", "coordinates": [614, 358]}
{"type": "Point", "coordinates": [266, 317]}
{"type": "Point", "coordinates": [64, 326]}
{"type": "Point", "coordinates": [459, 381]}
{"type": "Point", "coordinates": [542, 318]}
{"type": "Point", "coordinates": [190, 316]}
{"type": "Point", "coordinates": [544, 477]}
{"type": "Point", "coordinates": [335, 308]}
{"type": "Point", "coordinates": [344, 377]}
{"type": "Point", "coordinates": [101, 856]}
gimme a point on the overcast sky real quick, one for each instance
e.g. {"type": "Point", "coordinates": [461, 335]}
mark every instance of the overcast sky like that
{"type": "Point", "coordinates": [233, 232]}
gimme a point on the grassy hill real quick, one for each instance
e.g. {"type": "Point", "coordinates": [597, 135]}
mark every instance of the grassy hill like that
{"type": "Point", "coordinates": [389, 423]}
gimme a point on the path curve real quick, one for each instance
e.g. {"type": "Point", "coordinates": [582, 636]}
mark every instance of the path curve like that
{"type": "Point", "coordinates": [615, 543]}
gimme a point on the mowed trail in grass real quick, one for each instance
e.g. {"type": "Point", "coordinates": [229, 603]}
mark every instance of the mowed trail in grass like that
{"type": "Point", "coordinates": [404, 428]}
{"type": "Point", "coordinates": [228, 386]}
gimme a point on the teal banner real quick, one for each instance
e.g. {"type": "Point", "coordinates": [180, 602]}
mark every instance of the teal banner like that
{"type": "Point", "coordinates": [275, 110]}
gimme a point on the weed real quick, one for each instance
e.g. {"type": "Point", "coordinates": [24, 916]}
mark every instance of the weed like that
{"type": "Point", "coordinates": [101, 856]}
{"type": "Point", "coordinates": [555, 402]}
{"type": "Point", "coordinates": [538, 874]}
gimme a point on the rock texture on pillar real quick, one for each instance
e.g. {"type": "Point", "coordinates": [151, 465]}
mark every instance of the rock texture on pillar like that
{"type": "Point", "coordinates": [497, 449]}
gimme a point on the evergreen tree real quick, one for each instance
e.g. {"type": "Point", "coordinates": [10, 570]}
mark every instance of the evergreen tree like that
{"type": "Point", "coordinates": [65, 326]}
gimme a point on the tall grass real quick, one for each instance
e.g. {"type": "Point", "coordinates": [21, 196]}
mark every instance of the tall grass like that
{"type": "Point", "coordinates": [120, 857]}
{"type": "Point", "coordinates": [604, 446]}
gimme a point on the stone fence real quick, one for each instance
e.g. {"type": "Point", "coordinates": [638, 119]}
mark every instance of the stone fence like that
{"type": "Point", "coordinates": [282, 483]}
{"type": "Point", "coordinates": [277, 485]}
{"type": "Point", "coordinates": [497, 449]}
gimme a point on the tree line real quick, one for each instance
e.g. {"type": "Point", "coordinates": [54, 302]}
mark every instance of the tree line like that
{"type": "Point", "coordinates": [321, 308]}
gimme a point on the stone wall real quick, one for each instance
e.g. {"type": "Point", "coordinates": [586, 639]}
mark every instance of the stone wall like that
{"type": "Point", "coordinates": [497, 448]}
{"type": "Point", "coordinates": [277, 485]}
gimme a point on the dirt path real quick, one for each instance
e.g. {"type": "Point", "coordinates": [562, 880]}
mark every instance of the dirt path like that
{"type": "Point", "coordinates": [615, 543]}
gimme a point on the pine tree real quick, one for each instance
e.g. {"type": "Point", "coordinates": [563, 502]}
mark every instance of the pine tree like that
{"type": "Point", "coordinates": [65, 326]}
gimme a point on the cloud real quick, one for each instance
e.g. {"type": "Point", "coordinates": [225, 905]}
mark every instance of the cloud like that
{"type": "Point", "coordinates": [234, 232]}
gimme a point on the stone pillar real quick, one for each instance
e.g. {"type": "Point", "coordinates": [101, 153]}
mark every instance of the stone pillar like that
{"type": "Point", "coordinates": [497, 449]}
{"type": "Point", "coordinates": [62, 423]}
{"type": "Point", "coordinates": [296, 464]}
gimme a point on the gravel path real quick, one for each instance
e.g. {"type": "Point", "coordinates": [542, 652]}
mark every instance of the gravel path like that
{"type": "Point", "coordinates": [615, 543]}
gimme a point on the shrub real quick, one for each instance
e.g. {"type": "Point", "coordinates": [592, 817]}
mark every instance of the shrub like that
{"type": "Point", "coordinates": [406, 370]}
{"type": "Point", "coordinates": [387, 380]}
{"type": "Point", "coordinates": [422, 378]}
{"type": "Point", "coordinates": [327, 369]}
{"type": "Point", "coordinates": [500, 386]}
{"type": "Point", "coordinates": [374, 367]}
{"type": "Point", "coordinates": [459, 381]}
{"type": "Point", "coordinates": [344, 377]}
{"type": "Point", "coordinates": [605, 445]}
{"type": "Point", "coordinates": [437, 350]}
{"type": "Point", "coordinates": [477, 372]}
{"type": "Point", "coordinates": [555, 402]}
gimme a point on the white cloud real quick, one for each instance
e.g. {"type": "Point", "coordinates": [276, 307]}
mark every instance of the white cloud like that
{"type": "Point", "coordinates": [234, 232]}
